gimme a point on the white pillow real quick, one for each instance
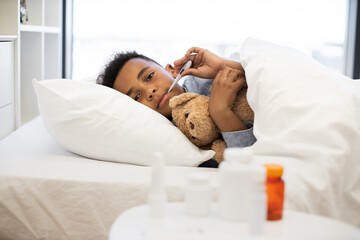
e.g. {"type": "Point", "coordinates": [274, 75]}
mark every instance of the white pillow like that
{"type": "Point", "coordinates": [307, 118]}
{"type": "Point", "coordinates": [101, 123]}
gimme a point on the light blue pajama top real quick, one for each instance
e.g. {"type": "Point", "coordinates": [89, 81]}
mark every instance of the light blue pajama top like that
{"type": "Point", "coordinates": [243, 138]}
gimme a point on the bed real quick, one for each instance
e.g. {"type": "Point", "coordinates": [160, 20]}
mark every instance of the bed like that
{"type": "Point", "coordinates": [47, 192]}
{"type": "Point", "coordinates": [54, 184]}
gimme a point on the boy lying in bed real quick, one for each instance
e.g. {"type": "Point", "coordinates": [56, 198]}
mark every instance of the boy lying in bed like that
{"type": "Point", "coordinates": [147, 82]}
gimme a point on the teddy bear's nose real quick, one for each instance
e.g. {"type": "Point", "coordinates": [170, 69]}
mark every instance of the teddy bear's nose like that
{"type": "Point", "coordinates": [192, 126]}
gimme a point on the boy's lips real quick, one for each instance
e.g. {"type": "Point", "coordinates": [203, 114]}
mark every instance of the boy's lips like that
{"type": "Point", "coordinates": [162, 100]}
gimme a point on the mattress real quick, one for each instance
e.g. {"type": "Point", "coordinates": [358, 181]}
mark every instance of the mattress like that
{"type": "Point", "coordinates": [47, 192]}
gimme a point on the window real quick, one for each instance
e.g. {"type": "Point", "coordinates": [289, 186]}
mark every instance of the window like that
{"type": "Point", "coordinates": [164, 30]}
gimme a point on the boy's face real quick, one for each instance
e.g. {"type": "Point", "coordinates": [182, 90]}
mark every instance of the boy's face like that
{"type": "Point", "coordinates": [148, 83]}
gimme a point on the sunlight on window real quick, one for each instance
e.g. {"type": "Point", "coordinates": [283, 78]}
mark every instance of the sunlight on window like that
{"type": "Point", "coordinates": [164, 30]}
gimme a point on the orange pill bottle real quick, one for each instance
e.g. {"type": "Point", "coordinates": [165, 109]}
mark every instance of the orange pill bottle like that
{"type": "Point", "coordinates": [274, 191]}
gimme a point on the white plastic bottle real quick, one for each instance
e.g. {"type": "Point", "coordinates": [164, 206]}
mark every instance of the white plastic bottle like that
{"type": "Point", "coordinates": [235, 180]}
{"type": "Point", "coordinates": [157, 194]}
{"type": "Point", "coordinates": [258, 203]}
{"type": "Point", "coordinates": [198, 195]}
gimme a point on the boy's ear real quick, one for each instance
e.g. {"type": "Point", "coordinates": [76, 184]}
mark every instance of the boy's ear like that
{"type": "Point", "coordinates": [171, 70]}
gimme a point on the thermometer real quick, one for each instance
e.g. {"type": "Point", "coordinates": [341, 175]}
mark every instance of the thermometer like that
{"type": "Point", "coordinates": [178, 77]}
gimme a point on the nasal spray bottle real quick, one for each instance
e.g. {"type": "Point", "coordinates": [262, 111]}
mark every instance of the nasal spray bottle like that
{"type": "Point", "coordinates": [235, 183]}
{"type": "Point", "coordinates": [157, 194]}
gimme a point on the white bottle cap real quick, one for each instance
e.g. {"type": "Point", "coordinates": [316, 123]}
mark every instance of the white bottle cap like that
{"type": "Point", "coordinates": [236, 155]}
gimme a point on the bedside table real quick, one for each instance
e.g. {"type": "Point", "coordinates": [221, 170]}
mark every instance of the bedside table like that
{"type": "Point", "coordinates": [135, 224]}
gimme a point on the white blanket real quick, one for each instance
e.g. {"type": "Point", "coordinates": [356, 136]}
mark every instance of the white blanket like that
{"type": "Point", "coordinates": [307, 118]}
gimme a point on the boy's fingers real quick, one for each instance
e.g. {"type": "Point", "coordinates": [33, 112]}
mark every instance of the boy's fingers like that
{"type": "Point", "coordinates": [196, 59]}
{"type": "Point", "coordinates": [218, 75]}
{"type": "Point", "coordinates": [228, 72]}
{"type": "Point", "coordinates": [223, 75]}
{"type": "Point", "coordinates": [234, 75]}
{"type": "Point", "coordinates": [179, 63]}
{"type": "Point", "coordinates": [240, 83]}
{"type": "Point", "coordinates": [193, 50]}
{"type": "Point", "coordinates": [190, 71]}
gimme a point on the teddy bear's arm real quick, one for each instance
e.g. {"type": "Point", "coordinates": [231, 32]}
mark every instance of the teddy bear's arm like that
{"type": "Point", "coordinates": [218, 147]}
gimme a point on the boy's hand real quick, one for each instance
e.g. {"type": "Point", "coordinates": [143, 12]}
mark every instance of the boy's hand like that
{"type": "Point", "coordinates": [224, 89]}
{"type": "Point", "coordinates": [205, 64]}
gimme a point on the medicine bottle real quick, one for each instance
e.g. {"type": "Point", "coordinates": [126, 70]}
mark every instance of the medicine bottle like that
{"type": "Point", "coordinates": [235, 182]}
{"type": "Point", "coordinates": [258, 203]}
{"type": "Point", "coordinates": [198, 195]}
{"type": "Point", "coordinates": [274, 191]}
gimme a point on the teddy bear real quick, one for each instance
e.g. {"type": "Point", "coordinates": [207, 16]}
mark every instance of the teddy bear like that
{"type": "Point", "coordinates": [190, 112]}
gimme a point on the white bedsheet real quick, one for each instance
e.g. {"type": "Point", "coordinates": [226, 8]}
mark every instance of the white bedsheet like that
{"type": "Point", "coordinates": [47, 192]}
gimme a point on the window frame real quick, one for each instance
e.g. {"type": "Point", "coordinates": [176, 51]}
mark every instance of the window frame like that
{"type": "Point", "coordinates": [352, 44]}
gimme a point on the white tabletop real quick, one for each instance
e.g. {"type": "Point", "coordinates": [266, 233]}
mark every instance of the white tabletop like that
{"type": "Point", "coordinates": [135, 224]}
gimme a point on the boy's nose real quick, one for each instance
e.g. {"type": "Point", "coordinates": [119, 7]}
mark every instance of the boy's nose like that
{"type": "Point", "coordinates": [151, 93]}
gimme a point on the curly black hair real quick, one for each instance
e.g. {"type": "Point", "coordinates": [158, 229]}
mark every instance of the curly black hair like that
{"type": "Point", "coordinates": [113, 67]}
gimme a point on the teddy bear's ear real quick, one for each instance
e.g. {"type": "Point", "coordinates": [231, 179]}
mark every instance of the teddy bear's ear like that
{"type": "Point", "coordinates": [182, 98]}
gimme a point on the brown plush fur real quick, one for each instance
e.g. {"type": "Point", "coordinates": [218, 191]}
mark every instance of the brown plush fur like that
{"type": "Point", "coordinates": [190, 112]}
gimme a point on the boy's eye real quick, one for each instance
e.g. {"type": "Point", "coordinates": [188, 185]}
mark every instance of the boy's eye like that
{"type": "Point", "coordinates": [137, 96]}
{"type": "Point", "coordinates": [149, 76]}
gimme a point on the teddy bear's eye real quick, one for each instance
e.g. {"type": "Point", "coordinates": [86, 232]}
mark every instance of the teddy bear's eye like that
{"type": "Point", "coordinates": [186, 115]}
